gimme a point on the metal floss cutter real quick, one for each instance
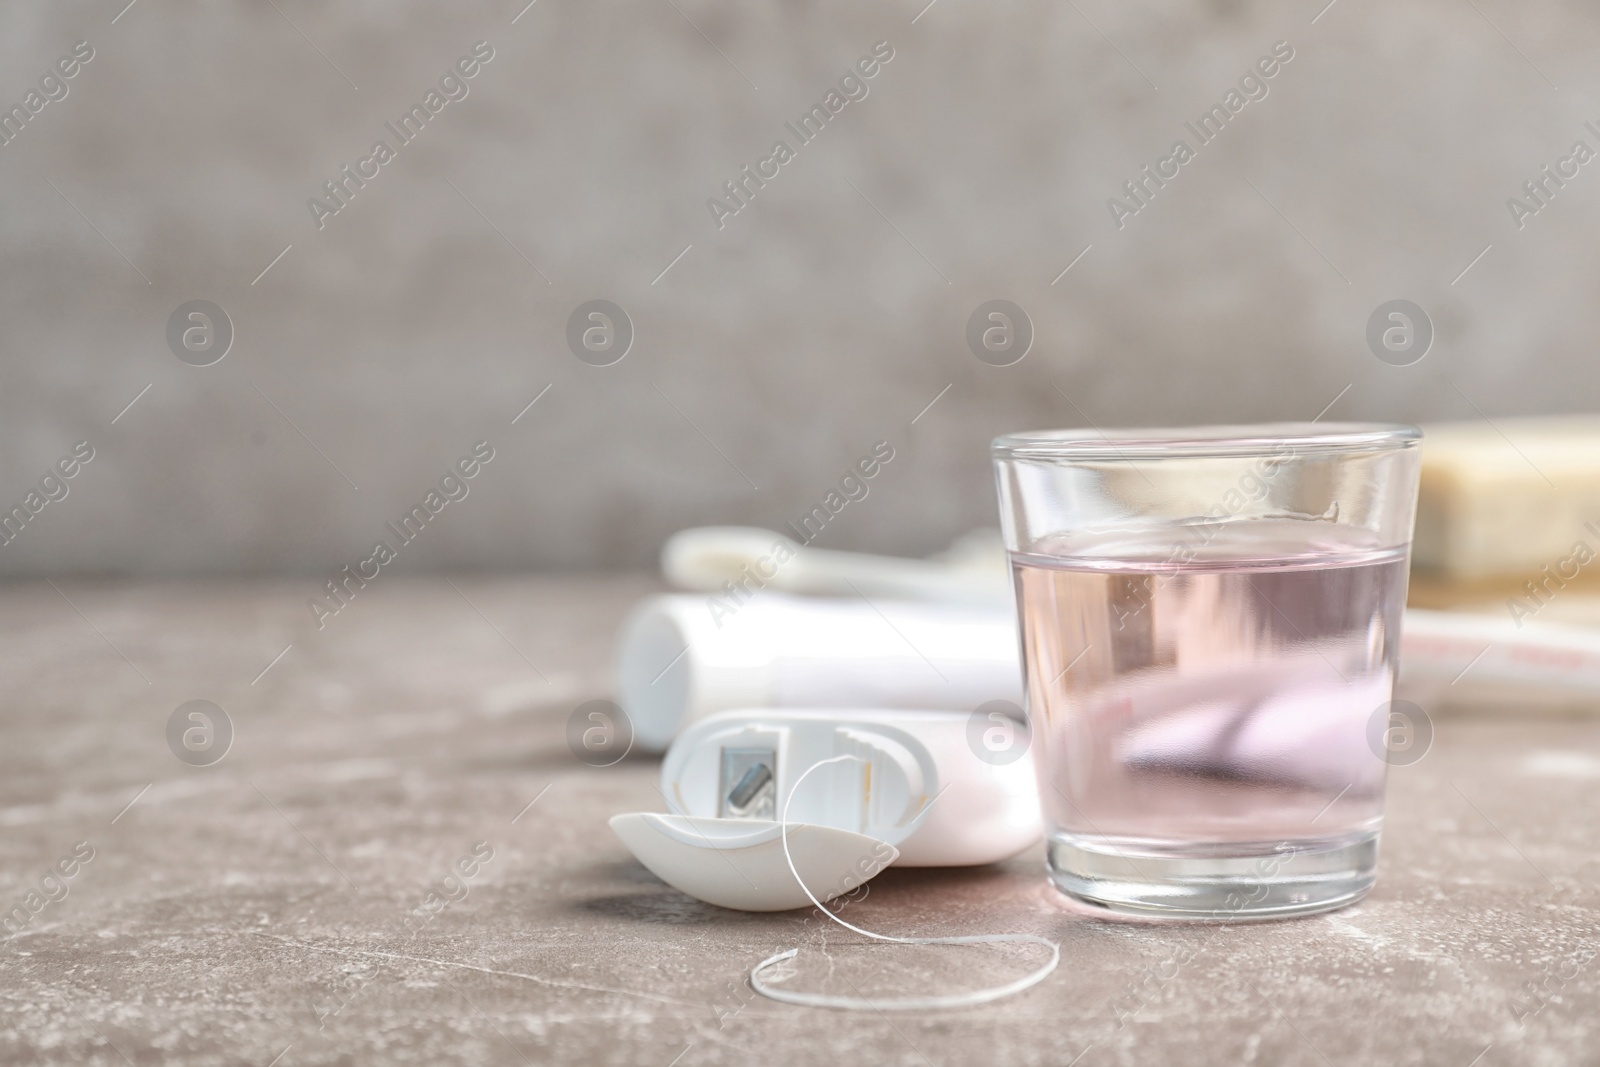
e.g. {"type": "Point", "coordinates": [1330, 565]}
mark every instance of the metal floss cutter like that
{"type": "Point", "coordinates": [915, 791]}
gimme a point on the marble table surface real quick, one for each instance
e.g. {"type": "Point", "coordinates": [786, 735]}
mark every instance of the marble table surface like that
{"type": "Point", "coordinates": [301, 899]}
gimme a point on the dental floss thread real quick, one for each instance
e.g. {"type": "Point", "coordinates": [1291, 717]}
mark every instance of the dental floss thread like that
{"type": "Point", "coordinates": [957, 1000]}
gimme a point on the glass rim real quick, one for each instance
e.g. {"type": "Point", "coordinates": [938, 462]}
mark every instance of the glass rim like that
{"type": "Point", "coordinates": [1220, 441]}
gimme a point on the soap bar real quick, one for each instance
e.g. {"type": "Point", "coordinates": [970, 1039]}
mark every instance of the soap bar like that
{"type": "Point", "coordinates": [1510, 498]}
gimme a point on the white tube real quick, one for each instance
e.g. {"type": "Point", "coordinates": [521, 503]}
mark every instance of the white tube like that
{"type": "Point", "coordinates": [678, 660]}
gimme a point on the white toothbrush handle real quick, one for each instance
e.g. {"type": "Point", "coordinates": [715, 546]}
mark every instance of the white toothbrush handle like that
{"type": "Point", "coordinates": [1454, 645]}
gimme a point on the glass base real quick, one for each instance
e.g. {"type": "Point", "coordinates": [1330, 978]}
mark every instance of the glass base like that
{"type": "Point", "coordinates": [1238, 882]}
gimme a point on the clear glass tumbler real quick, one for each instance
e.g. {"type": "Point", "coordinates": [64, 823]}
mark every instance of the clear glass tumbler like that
{"type": "Point", "coordinates": [1210, 624]}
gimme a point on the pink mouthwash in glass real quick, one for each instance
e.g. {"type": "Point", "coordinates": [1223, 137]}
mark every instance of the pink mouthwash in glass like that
{"type": "Point", "coordinates": [1202, 695]}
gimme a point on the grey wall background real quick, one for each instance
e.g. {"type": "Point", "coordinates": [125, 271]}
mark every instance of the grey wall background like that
{"type": "Point", "coordinates": [822, 318]}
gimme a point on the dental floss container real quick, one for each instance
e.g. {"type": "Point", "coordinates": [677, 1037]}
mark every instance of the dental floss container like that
{"type": "Point", "coordinates": [683, 657]}
{"type": "Point", "coordinates": [912, 791]}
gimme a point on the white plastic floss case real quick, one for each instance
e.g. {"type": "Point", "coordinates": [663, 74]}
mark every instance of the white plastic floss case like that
{"type": "Point", "coordinates": [906, 787]}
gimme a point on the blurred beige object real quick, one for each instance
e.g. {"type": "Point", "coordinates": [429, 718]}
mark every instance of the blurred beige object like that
{"type": "Point", "coordinates": [1510, 500]}
{"type": "Point", "coordinates": [1577, 605]}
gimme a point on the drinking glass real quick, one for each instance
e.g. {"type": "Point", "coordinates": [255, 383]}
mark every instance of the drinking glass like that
{"type": "Point", "coordinates": [1210, 623]}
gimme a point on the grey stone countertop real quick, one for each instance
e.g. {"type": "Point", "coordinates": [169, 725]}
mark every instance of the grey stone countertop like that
{"type": "Point", "coordinates": [265, 908]}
